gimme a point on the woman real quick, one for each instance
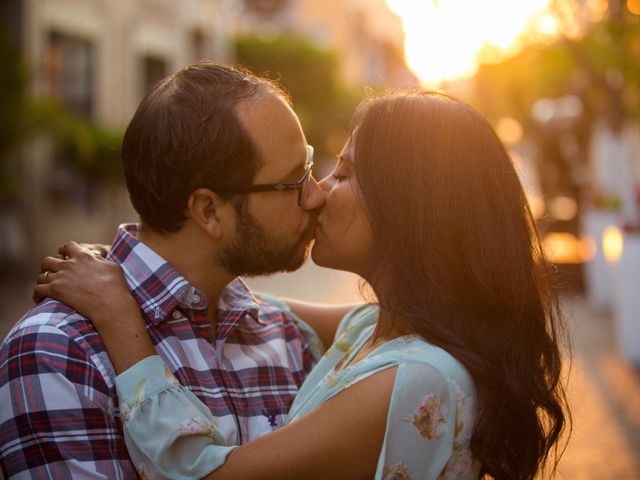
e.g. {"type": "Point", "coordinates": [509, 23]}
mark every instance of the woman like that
{"type": "Point", "coordinates": [454, 373]}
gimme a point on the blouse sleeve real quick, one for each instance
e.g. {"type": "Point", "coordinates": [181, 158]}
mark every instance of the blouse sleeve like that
{"type": "Point", "coordinates": [169, 433]}
{"type": "Point", "coordinates": [428, 427]}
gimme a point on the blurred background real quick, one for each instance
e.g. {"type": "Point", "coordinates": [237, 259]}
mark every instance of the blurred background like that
{"type": "Point", "coordinates": [558, 79]}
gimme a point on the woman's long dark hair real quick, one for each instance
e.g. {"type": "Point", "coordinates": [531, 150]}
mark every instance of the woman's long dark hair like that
{"type": "Point", "coordinates": [457, 256]}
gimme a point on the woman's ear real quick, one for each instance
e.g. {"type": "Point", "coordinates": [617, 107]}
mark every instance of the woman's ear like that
{"type": "Point", "coordinates": [211, 213]}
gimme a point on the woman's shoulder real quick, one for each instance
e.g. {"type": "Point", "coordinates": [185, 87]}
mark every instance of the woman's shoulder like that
{"type": "Point", "coordinates": [413, 350]}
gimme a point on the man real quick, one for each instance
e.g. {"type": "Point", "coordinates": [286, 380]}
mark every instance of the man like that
{"type": "Point", "coordinates": [219, 171]}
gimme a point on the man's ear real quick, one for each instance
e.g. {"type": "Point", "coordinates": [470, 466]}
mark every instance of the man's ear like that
{"type": "Point", "coordinates": [212, 214]}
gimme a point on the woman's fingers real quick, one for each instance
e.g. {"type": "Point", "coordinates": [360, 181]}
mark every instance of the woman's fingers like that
{"type": "Point", "coordinates": [85, 282]}
{"type": "Point", "coordinates": [72, 250]}
{"type": "Point", "coordinates": [51, 264]}
{"type": "Point", "coordinates": [100, 250]}
{"type": "Point", "coordinates": [77, 250]}
{"type": "Point", "coordinates": [40, 292]}
{"type": "Point", "coordinates": [41, 289]}
{"type": "Point", "coordinates": [45, 277]}
{"type": "Point", "coordinates": [46, 283]}
{"type": "Point", "coordinates": [70, 277]}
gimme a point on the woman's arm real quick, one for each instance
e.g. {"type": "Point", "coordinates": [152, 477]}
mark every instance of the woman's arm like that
{"type": "Point", "coordinates": [96, 288]}
{"type": "Point", "coordinates": [171, 434]}
{"type": "Point", "coordinates": [339, 440]}
{"type": "Point", "coordinates": [324, 319]}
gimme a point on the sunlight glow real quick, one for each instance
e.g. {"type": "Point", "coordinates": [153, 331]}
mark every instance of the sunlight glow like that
{"type": "Point", "coordinates": [509, 130]}
{"type": "Point", "coordinates": [443, 38]}
{"type": "Point", "coordinates": [562, 247]}
{"type": "Point", "coordinates": [563, 208]}
{"type": "Point", "coordinates": [612, 244]}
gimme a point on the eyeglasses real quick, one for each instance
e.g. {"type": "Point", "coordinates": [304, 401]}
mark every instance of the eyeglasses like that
{"type": "Point", "coordinates": [300, 185]}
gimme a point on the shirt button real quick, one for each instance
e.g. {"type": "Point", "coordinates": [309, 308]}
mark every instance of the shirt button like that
{"type": "Point", "coordinates": [177, 315]}
{"type": "Point", "coordinates": [195, 298]}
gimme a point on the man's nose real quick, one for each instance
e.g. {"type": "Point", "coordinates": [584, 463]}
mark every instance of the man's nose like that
{"type": "Point", "coordinates": [326, 183]}
{"type": "Point", "coordinates": [315, 196]}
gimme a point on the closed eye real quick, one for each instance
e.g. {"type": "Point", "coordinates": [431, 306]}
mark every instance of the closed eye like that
{"type": "Point", "coordinates": [341, 170]}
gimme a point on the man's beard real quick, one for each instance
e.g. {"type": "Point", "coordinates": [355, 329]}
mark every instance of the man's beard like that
{"type": "Point", "coordinates": [253, 253]}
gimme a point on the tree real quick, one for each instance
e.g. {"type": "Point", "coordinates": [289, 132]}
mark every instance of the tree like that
{"type": "Point", "coordinates": [310, 75]}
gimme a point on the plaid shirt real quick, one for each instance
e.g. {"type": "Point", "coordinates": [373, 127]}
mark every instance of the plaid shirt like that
{"type": "Point", "coordinates": [59, 413]}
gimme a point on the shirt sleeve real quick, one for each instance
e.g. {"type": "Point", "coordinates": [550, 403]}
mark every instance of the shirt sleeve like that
{"type": "Point", "coordinates": [170, 433]}
{"type": "Point", "coordinates": [428, 427]}
{"type": "Point", "coordinates": [57, 416]}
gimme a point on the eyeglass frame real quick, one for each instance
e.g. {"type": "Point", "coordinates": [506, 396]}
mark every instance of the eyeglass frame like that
{"type": "Point", "coordinates": [277, 187]}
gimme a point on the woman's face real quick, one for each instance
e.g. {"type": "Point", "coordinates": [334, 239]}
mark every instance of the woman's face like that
{"type": "Point", "coordinates": [343, 233]}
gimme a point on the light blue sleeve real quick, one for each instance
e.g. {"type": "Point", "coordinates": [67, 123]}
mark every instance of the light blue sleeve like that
{"type": "Point", "coordinates": [169, 433]}
{"type": "Point", "coordinates": [428, 427]}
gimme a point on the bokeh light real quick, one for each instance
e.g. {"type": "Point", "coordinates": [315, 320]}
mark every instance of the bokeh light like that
{"type": "Point", "coordinates": [612, 243]}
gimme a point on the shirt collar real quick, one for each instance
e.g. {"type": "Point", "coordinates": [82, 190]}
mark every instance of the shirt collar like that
{"type": "Point", "coordinates": [159, 288]}
{"type": "Point", "coordinates": [238, 298]}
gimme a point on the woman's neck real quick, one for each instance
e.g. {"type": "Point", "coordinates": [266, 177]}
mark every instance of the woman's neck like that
{"type": "Point", "coordinates": [389, 326]}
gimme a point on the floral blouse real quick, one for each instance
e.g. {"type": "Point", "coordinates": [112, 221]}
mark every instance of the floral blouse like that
{"type": "Point", "coordinates": [170, 434]}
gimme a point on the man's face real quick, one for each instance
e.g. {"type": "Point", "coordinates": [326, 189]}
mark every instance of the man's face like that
{"type": "Point", "coordinates": [273, 233]}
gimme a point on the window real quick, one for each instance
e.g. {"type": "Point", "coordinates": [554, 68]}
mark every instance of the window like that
{"type": "Point", "coordinates": [199, 45]}
{"type": "Point", "coordinates": [266, 9]}
{"type": "Point", "coordinates": [153, 69]}
{"type": "Point", "coordinates": [68, 71]}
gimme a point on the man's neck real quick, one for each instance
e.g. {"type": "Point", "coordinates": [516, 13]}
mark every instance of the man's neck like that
{"type": "Point", "coordinates": [194, 262]}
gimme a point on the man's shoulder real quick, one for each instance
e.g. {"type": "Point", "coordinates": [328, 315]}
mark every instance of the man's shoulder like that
{"type": "Point", "coordinates": [49, 324]}
{"type": "Point", "coordinates": [48, 315]}
{"type": "Point", "coordinates": [52, 338]}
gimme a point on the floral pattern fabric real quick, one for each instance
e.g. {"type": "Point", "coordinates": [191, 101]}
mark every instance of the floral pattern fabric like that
{"type": "Point", "coordinates": [170, 434]}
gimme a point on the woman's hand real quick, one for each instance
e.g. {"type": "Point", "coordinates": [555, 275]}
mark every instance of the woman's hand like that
{"type": "Point", "coordinates": [96, 288]}
{"type": "Point", "coordinates": [81, 278]}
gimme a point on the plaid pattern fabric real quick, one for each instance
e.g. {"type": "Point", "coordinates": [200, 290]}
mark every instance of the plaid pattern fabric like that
{"type": "Point", "coordinates": [59, 413]}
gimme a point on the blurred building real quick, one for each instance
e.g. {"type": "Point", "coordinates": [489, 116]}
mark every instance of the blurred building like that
{"type": "Point", "coordinates": [96, 59]}
{"type": "Point", "coordinates": [100, 56]}
{"type": "Point", "coordinates": [367, 37]}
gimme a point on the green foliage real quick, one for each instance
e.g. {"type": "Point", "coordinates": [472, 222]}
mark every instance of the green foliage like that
{"type": "Point", "coordinates": [588, 67]}
{"type": "Point", "coordinates": [510, 88]}
{"type": "Point", "coordinates": [84, 145]}
{"type": "Point", "coordinates": [612, 47]}
{"type": "Point", "coordinates": [81, 144]}
{"type": "Point", "coordinates": [310, 75]}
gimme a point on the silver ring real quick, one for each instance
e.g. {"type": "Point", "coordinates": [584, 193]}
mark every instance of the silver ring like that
{"type": "Point", "coordinates": [46, 276]}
